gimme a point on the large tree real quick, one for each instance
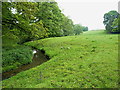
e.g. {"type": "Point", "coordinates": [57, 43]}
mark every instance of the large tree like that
{"type": "Point", "coordinates": [111, 21]}
{"type": "Point", "coordinates": [51, 16]}
{"type": "Point", "coordinates": [18, 21]}
{"type": "Point", "coordinates": [25, 21]}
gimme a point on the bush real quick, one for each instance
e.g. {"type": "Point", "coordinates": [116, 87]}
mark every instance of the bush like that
{"type": "Point", "coordinates": [16, 57]}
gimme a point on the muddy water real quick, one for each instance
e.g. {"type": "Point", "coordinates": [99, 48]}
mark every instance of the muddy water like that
{"type": "Point", "coordinates": [38, 58]}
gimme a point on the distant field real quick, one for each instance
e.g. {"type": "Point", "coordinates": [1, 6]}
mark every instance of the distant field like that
{"type": "Point", "coordinates": [88, 60]}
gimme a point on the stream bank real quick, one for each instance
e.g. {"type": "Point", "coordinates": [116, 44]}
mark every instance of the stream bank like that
{"type": "Point", "coordinates": [39, 57]}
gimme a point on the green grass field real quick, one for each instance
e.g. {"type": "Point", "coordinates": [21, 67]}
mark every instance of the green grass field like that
{"type": "Point", "coordinates": [89, 60]}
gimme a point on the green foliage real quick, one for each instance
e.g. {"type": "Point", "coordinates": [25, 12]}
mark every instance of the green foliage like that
{"type": "Point", "coordinates": [116, 25]}
{"type": "Point", "coordinates": [56, 22]}
{"type": "Point", "coordinates": [67, 26]}
{"type": "Point", "coordinates": [26, 21]}
{"type": "Point", "coordinates": [9, 40]}
{"type": "Point", "coordinates": [78, 29]}
{"type": "Point", "coordinates": [38, 31]}
{"type": "Point", "coordinates": [85, 28]}
{"type": "Point", "coordinates": [12, 58]}
{"type": "Point", "coordinates": [16, 20]}
{"type": "Point", "coordinates": [111, 21]}
{"type": "Point", "coordinates": [72, 64]}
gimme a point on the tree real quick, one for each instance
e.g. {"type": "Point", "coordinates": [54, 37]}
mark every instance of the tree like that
{"type": "Point", "coordinates": [8, 24]}
{"type": "Point", "coordinates": [51, 16]}
{"type": "Point", "coordinates": [109, 18]}
{"type": "Point", "coordinates": [67, 26]}
{"type": "Point", "coordinates": [116, 25]}
{"type": "Point", "coordinates": [78, 29]}
{"type": "Point", "coordinates": [85, 28]}
{"type": "Point", "coordinates": [20, 22]}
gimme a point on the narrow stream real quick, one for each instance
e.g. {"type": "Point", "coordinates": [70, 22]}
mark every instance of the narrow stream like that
{"type": "Point", "coordinates": [38, 58]}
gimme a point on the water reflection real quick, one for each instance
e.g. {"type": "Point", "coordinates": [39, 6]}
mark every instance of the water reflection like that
{"type": "Point", "coordinates": [34, 51]}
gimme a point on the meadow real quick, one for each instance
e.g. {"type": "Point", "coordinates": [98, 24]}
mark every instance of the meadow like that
{"type": "Point", "coordinates": [88, 60]}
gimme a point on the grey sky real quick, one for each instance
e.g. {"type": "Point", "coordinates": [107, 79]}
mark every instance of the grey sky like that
{"type": "Point", "coordinates": [88, 13]}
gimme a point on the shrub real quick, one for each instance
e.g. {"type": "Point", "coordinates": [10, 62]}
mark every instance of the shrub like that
{"type": "Point", "coordinates": [16, 57]}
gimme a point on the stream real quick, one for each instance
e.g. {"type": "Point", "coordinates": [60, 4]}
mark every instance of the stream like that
{"type": "Point", "coordinates": [38, 58]}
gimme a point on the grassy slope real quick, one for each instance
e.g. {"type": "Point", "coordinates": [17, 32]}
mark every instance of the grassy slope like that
{"type": "Point", "coordinates": [87, 60]}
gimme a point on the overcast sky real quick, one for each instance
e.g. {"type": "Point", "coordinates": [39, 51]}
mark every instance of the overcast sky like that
{"type": "Point", "coordinates": [88, 13]}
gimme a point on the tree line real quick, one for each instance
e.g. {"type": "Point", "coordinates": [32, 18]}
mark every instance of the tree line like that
{"type": "Point", "coordinates": [26, 21]}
